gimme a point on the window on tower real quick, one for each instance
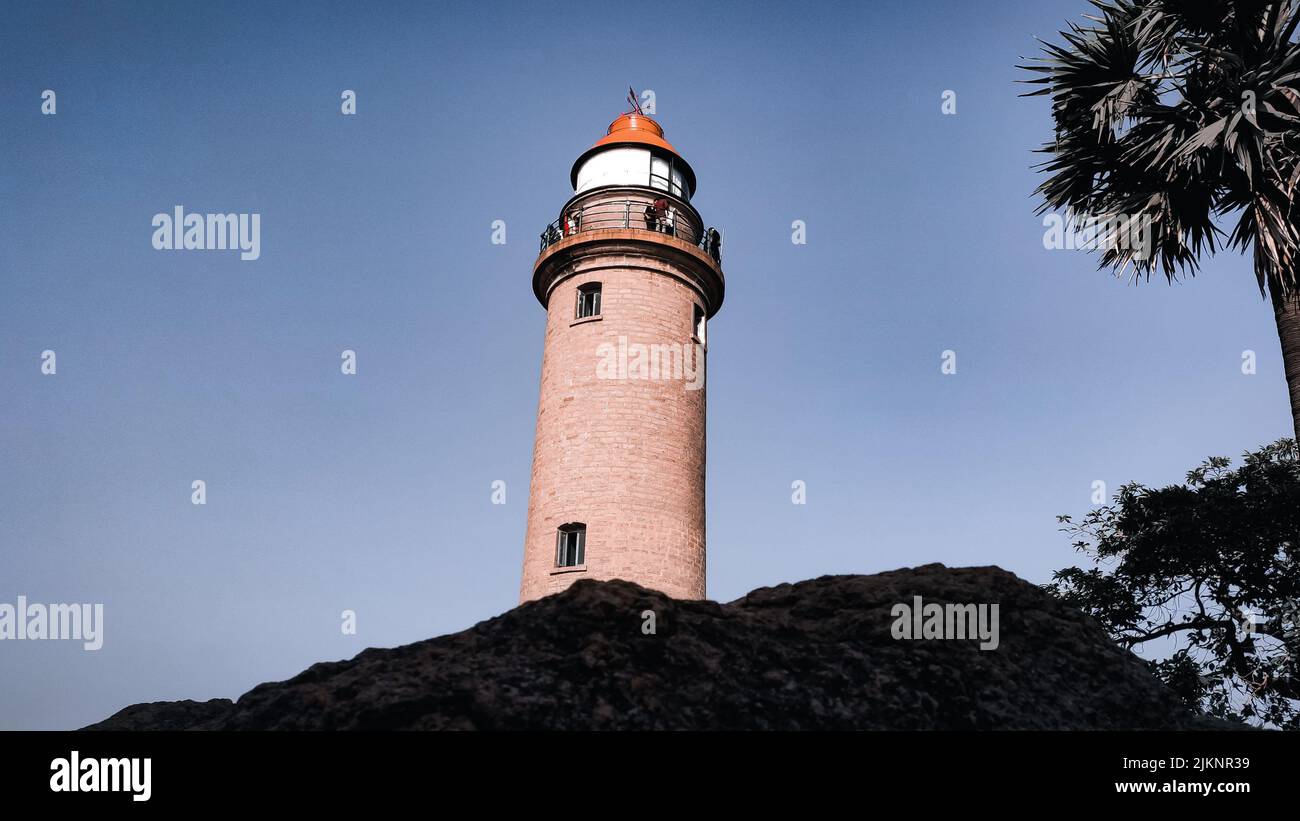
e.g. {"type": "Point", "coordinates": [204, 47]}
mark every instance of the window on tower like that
{"type": "Point", "coordinates": [698, 325]}
{"type": "Point", "coordinates": [570, 545]}
{"type": "Point", "coordinates": [588, 300]}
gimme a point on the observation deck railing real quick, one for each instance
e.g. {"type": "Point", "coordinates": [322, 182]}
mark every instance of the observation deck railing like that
{"type": "Point", "coordinates": [633, 215]}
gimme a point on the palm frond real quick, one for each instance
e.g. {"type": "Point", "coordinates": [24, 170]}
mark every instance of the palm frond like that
{"type": "Point", "coordinates": [1179, 113]}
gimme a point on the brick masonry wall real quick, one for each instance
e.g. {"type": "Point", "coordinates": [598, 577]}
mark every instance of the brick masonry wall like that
{"type": "Point", "coordinates": [624, 456]}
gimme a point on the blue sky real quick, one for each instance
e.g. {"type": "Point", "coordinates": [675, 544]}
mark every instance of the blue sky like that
{"type": "Point", "coordinates": [372, 492]}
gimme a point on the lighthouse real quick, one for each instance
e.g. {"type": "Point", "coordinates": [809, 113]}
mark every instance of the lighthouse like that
{"type": "Point", "coordinates": [629, 275]}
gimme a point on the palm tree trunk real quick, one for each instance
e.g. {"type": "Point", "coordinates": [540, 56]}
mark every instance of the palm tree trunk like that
{"type": "Point", "coordinates": [1287, 313]}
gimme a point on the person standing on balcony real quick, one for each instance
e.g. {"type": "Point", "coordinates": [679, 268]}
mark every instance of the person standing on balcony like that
{"type": "Point", "coordinates": [651, 219]}
{"type": "Point", "coordinates": [573, 222]}
{"type": "Point", "coordinates": [661, 214]}
{"type": "Point", "coordinates": [713, 244]}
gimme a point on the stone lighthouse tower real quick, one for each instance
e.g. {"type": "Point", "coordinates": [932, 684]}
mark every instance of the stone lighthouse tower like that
{"type": "Point", "coordinates": [629, 275]}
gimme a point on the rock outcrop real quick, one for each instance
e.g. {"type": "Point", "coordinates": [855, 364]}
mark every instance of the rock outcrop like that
{"type": "Point", "coordinates": [814, 655]}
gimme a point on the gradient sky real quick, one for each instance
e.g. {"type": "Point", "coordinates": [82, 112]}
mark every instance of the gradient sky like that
{"type": "Point", "coordinates": [372, 492]}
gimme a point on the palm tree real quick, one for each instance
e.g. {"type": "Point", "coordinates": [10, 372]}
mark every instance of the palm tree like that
{"type": "Point", "coordinates": [1178, 114]}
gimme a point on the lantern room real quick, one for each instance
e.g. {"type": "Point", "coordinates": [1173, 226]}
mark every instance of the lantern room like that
{"type": "Point", "coordinates": [634, 152]}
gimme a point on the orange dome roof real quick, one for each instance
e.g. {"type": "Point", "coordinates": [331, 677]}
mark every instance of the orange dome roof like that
{"type": "Point", "coordinates": [635, 129]}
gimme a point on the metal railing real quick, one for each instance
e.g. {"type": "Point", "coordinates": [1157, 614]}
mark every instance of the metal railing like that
{"type": "Point", "coordinates": [635, 215]}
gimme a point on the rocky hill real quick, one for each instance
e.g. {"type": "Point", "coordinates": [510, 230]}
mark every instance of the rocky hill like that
{"type": "Point", "coordinates": [814, 655]}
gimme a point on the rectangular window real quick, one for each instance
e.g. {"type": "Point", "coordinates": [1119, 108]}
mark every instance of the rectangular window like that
{"type": "Point", "coordinates": [660, 173]}
{"type": "Point", "coordinates": [588, 300]}
{"type": "Point", "coordinates": [699, 325]}
{"type": "Point", "coordinates": [570, 545]}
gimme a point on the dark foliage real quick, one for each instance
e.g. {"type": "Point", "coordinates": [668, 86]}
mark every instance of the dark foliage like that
{"type": "Point", "coordinates": [1179, 112]}
{"type": "Point", "coordinates": [1213, 567]}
